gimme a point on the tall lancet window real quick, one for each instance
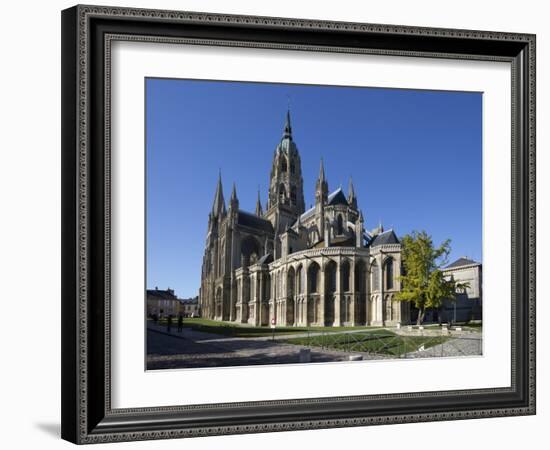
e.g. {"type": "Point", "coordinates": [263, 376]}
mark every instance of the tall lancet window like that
{"type": "Point", "coordinates": [389, 273]}
{"type": "Point", "coordinates": [345, 274]}
{"type": "Point", "coordinates": [282, 193]}
{"type": "Point", "coordinates": [313, 273]}
{"type": "Point", "coordinates": [340, 225]}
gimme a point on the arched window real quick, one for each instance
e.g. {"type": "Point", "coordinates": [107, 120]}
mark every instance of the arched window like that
{"type": "Point", "coordinates": [313, 274]}
{"type": "Point", "coordinates": [360, 276]}
{"type": "Point", "coordinates": [389, 273]}
{"type": "Point", "coordinates": [345, 274]}
{"type": "Point", "coordinates": [292, 167]}
{"type": "Point", "coordinates": [330, 274]}
{"type": "Point", "coordinates": [290, 283]}
{"type": "Point", "coordinates": [283, 165]}
{"type": "Point", "coordinates": [293, 195]}
{"type": "Point", "coordinates": [250, 251]}
{"type": "Point", "coordinates": [375, 282]}
{"type": "Point", "coordinates": [340, 226]}
{"type": "Point", "coordinates": [282, 193]}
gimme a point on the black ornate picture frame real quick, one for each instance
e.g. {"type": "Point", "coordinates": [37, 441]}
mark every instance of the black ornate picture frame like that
{"type": "Point", "coordinates": [87, 414]}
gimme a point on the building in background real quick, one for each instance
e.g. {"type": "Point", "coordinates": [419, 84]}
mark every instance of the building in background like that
{"type": "Point", "coordinates": [468, 304]}
{"type": "Point", "coordinates": [162, 303]}
{"type": "Point", "coordinates": [189, 307]}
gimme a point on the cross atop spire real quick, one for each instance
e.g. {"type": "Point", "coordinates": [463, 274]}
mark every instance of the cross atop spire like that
{"type": "Point", "coordinates": [218, 207]}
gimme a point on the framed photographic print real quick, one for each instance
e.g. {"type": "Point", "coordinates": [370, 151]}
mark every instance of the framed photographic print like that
{"type": "Point", "coordinates": [266, 222]}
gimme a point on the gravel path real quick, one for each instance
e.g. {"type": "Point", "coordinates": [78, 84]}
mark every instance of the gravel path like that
{"type": "Point", "coordinates": [470, 345]}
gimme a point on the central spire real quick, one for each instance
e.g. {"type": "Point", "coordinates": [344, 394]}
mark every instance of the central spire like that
{"type": "Point", "coordinates": [287, 133]}
{"type": "Point", "coordinates": [286, 190]}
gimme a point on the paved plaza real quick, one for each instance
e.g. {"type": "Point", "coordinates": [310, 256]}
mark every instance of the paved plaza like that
{"type": "Point", "coordinates": [188, 348]}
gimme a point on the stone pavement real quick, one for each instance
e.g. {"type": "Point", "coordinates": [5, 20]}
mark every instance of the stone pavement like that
{"type": "Point", "coordinates": [189, 348]}
{"type": "Point", "coordinates": [193, 349]}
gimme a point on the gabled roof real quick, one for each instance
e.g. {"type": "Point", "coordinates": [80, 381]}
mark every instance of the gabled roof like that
{"type": "Point", "coordinates": [461, 262]}
{"type": "Point", "coordinates": [253, 221]}
{"type": "Point", "coordinates": [337, 198]}
{"type": "Point", "coordinates": [385, 238]}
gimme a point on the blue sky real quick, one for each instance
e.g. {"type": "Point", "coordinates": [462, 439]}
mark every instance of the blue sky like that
{"type": "Point", "coordinates": [415, 157]}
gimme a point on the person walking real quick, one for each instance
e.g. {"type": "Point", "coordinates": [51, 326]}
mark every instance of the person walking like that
{"type": "Point", "coordinates": [180, 323]}
{"type": "Point", "coordinates": [169, 323]}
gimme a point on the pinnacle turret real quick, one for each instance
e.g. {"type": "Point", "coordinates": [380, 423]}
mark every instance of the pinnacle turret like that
{"type": "Point", "coordinates": [218, 206]}
{"type": "Point", "coordinates": [259, 210]}
{"type": "Point", "coordinates": [234, 201]}
{"type": "Point", "coordinates": [352, 199]}
{"type": "Point", "coordinates": [321, 187]}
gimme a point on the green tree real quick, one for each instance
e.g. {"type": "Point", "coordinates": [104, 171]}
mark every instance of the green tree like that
{"type": "Point", "coordinates": [422, 281]}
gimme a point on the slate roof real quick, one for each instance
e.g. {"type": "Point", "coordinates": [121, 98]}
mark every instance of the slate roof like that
{"type": "Point", "coordinates": [158, 294]}
{"type": "Point", "coordinates": [461, 262]}
{"type": "Point", "coordinates": [337, 198]}
{"type": "Point", "coordinates": [266, 259]}
{"type": "Point", "coordinates": [385, 238]}
{"type": "Point", "coordinates": [308, 213]}
{"type": "Point", "coordinates": [253, 221]}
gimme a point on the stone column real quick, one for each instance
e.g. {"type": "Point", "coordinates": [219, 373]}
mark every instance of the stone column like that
{"type": "Point", "coordinates": [380, 303]}
{"type": "Point", "coordinates": [284, 301]}
{"type": "Point", "coordinates": [366, 288]}
{"type": "Point", "coordinates": [305, 320]}
{"type": "Point", "coordinates": [247, 294]}
{"type": "Point", "coordinates": [274, 280]}
{"type": "Point", "coordinates": [260, 282]}
{"type": "Point", "coordinates": [338, 295]}
{"type": "Point", "coordinates": [322, 294]}
{"type": "Point", "coordinates": [354, 295]}
{"type": "Point", "coordinates": [232, 297]}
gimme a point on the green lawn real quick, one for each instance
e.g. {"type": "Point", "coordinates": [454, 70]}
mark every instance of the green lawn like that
{"type": "Point", "coordinates": [242, 330]}
{"type": "Point", "coordinates": [379, 341]}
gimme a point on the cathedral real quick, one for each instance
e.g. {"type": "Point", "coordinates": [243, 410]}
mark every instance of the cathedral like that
{"type": "Point", "coordinates": [286, 266]}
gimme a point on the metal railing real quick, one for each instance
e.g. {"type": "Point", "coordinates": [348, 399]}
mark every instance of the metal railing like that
{"type": "Point", "coordinates": [390, 345]}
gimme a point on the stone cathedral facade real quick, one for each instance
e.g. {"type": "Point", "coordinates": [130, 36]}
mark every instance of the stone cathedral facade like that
{"type": "Point", "coordinates": [293, 267]}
